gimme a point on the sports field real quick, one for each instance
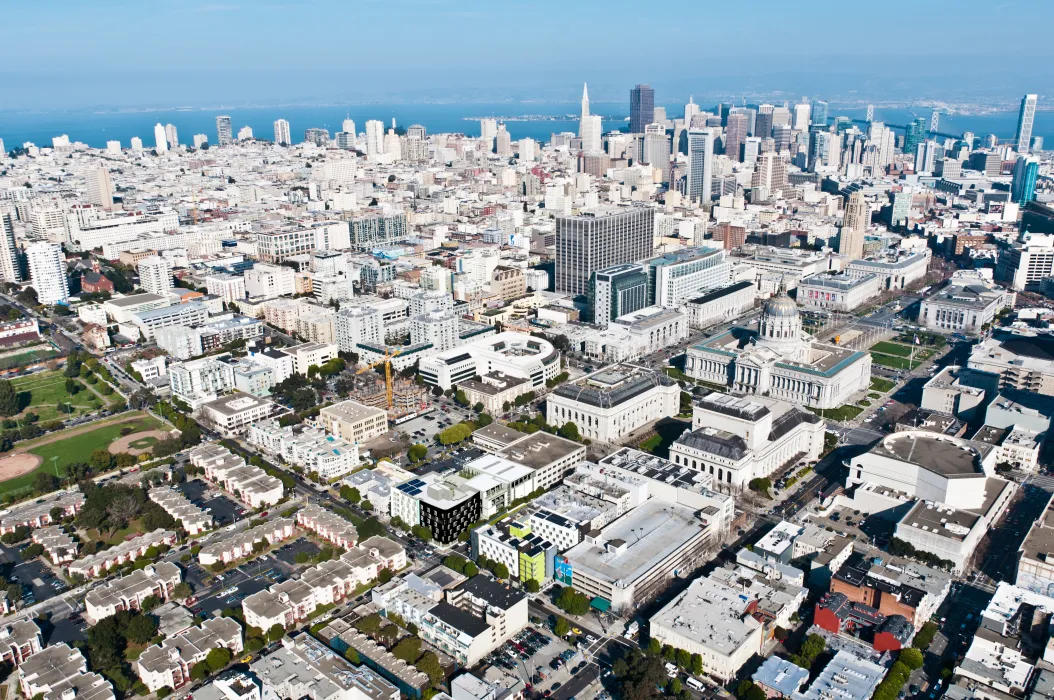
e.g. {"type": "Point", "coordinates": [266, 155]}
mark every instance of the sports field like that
{"type": "Point", "coordinates": [41, 393]}
{"type": "Point", "coordinates": [73, 445]}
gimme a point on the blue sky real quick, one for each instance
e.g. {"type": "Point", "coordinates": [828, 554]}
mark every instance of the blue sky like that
{"type": "Point", "coordinates": [72, 54]}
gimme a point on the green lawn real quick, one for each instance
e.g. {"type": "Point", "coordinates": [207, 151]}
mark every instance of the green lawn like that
{"type": "Point", "coordinates": [667, 431]}
{"type": "Point", "coordinates": [651, 443]}
{"type": "Point", "coordinates": [76, 448]}
{"type": "Point", "coordinates": [882, 385]}
{"type": "Point", "coordinates": [887, 348]}
{"type": "Point", "coordinates": [893, 361]}
{"type": "Point", "coordinates": [842, 413]}
{"type": "Point", "coordinates": [40, 393]}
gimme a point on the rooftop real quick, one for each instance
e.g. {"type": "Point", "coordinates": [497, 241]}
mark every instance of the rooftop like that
{"type": "Point", "coordinates": [941, 520]}
{"type": "Point", "coordinates": [540, 449]}
{"type": "Point", "coordinates": [846, 677]}
{"type": "Point", "coordinates": [632, 545]}
{"type": "Point", "coordinates": [945, 455]}
{"type": "Point", "coordinates": [613, 385]}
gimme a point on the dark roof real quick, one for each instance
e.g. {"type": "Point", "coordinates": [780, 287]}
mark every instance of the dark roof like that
{"type": "Point", "coordinates": [497, 594]}
{"type": "Point", "coordinates": [899, 627]}
{"type": "Point", "coordinates": [1039, 347]}
{"type": "Point", "coordinates": [723, 292]}
{"type": "Point", "coordinates": [459, 619]}
{"type": "Point", "coordinates": [730, 446]}
{"type": "Point", "coordinates": [790, 420]}
{"type": "Point", "coordinates": [606, 398]}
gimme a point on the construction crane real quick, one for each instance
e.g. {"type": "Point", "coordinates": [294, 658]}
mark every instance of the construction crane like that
{"type": "Point", "coordinates": [387, 361]}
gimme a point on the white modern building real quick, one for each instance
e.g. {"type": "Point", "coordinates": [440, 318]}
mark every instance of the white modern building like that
{"type": "Point", "coordinates": [155, 275]}
{"type": "Point", "coordinates": [47, 272]}
{"type": "Point", "coordinates": [514, 354]}
{"type": "Point", "coordinates": [234, 413]}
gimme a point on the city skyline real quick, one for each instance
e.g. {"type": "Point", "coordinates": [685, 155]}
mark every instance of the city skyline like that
{"type": "Point", "coordinates": [223, 52]}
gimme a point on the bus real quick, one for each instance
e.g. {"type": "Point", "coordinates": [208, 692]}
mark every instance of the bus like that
{"type": "Point", "coordinates": [695, 684]}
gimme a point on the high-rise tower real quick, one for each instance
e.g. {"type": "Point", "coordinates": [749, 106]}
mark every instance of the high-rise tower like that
{"type": "Point", "coordinates": [589, 126]}
{"type": "Point", "coordinates": [641, 108]}
{"type": "Point", "coordinates": [224, 134]}
{"type": "Point", "coordinates": [1024, 122]}
{"type": "Point", "coordinates": [700, 165]}
{"type": "Point", "coordinates": [857, 217]}
{"type": "Point", "coordinates": [281, 132]}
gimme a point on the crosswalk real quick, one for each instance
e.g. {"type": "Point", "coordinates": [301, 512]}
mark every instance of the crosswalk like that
{"type": "Point", "coordinates": [1038, 480]}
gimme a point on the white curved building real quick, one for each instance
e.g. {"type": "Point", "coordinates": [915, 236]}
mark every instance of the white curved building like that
{"type": "Point", "coordinates": [928, 466]}
{"type": "Point", "coordinates": [513, 354]}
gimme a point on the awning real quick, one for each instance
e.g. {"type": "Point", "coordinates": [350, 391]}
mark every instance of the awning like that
{"type": "Point", "coordinates": [601, 604]}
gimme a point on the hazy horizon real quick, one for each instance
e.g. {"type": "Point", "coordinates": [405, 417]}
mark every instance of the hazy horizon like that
{"type": "Point", "coordinates": [67, 55]}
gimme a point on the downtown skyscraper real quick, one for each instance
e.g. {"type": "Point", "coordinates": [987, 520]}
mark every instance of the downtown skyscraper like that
{"type": "Point", "coordinates": [597, 240]}
{"type": "Point", "coordinates": [641, 108]}
{"type": "Point", "coordinates": [589, 126]}
{"type": "Point", "coordinates": [1024, 123]}
{"type": "Point", "coordinates": [699, 175]}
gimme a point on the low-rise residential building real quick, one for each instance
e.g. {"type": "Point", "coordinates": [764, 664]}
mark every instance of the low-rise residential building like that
{"type": "Point", "coordinates": [779, 678]}
{"type": "Point", "coordinates": [129, 592]}
{"type": "Point", "coordinates": [250, 484]}
{"type": "Point", "coordinates": [234, 413]}
{"type": "Point", "coordinates": [193, 519]}
{"type": "Point", "coordinates": [58, 672]}
{"type": "Point", "coordinates": [96, 564]}
{"type": "Point", "coordinates": [845, 676]}
{"type": "Point", "coordinates": [311, 448]}
{"type": "Point", "coordinates": [332, 581]}
{"type": "Point", "coordinates": [354, 422]}
{"type": "Point", "coordinates": [168, 664]}
{"type": "Point", "coordinates": [304, 667]}
{"type": "Point", "coordinates": [610, 404]}
{"type": "Point", "coordinates": [18, 641]}
{"type": "Point", "coordinates": [328, 525]}
{"type": "Point", "coordinates": [59, 546]}
{"type": "Point", "coordinates": [476, 618]}
{"type": "Point", "coordinates": [243, 543]}
{"type": "Point", "coordinates": [37, 513]}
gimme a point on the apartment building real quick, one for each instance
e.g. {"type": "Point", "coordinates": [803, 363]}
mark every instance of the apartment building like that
{"type": "Point", "coordinates": [168, 664]}
{"type": "Point", "coordinates": [192, 313]}
{"type": "Point", "coordinates": [308, 354]}
{"type": "Point", "coordinates": [311, 448]}
{"type": "Point", "coordinates": [233, 414]}
{"type": "Point", "coordinates": [60, 546]}
{"type": "Point", "coordinates": [37, 513]}
{"type": "Point", "coordinates": [250, 484]}
{"type": "Point", "coordinates": [129, 592]}
{"type": "Point", "coordinates": [99, 563]}
{"type": "Point", "coordinates": [18, 641]}
{"type": "Point", "coordinates": [192, 518]}
{"type": "Point", "coordinates": [58, 672]}
{"type": "Point", "coordinates": [238, 545]}
{"type": "Point", "coordinates": [354, 422]}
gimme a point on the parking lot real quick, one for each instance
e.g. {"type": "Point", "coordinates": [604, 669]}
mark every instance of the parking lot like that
{"type": "Point", "coordinates": [240, 583]}
{"type": "Point", "coordinates": [287, 552]}
{"type": "Point", "coordinates": [37, 580]}
{"type": "Point", "coordinates": [223, 510]}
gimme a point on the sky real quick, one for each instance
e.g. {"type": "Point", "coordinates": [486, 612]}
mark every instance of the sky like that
{"type": "Point", "coordinates": [71, 54]}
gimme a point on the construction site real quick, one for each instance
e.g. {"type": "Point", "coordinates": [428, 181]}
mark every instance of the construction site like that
{"type": "Point", "coordinates": [406, 396]}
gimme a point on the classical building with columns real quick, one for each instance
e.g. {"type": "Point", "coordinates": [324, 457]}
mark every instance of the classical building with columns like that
{"type": "Point", "coordinates": [780, 360]}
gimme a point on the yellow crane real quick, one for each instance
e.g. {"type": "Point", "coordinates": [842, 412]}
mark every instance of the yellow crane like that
{"type": "Point", "coordinates": [387, 361]}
